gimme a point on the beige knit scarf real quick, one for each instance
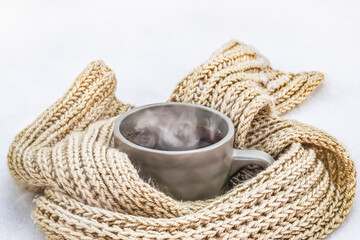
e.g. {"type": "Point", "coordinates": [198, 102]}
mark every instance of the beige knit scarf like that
{"type": "Point", "coordinates": [92, 191]}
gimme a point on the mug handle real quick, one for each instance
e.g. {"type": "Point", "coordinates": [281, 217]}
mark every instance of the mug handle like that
{"type": "Point", "coordinates": [242, 158]}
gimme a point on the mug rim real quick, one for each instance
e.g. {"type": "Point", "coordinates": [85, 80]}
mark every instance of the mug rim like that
{"type": "Point", "coordinates": [225, 139]}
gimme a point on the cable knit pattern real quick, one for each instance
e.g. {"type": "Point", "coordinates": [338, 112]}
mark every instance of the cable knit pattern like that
{"type": "Point", "coordinates": [92, 191]}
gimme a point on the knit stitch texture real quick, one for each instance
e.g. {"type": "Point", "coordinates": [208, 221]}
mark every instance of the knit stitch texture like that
{"type": "Point", "coordinates": [90, 190]}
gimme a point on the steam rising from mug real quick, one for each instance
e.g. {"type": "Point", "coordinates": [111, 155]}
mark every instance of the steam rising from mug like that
{"type": "Point", "coordinates": [173, 129]}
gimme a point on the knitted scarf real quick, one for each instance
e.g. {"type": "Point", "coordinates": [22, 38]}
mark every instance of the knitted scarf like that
{"type": "Point", "coordinates": [90, 190]}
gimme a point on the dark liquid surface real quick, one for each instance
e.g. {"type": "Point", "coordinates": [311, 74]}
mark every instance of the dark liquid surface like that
{"type": "Point", "coordinates": [149, 137]}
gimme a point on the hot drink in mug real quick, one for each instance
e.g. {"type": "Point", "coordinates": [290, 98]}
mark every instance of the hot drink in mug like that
{"type": "Point", "coordinates": [186, 149]}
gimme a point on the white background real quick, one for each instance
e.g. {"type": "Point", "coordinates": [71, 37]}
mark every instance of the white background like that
{"type": "Point", "coordinates": [151, 45]}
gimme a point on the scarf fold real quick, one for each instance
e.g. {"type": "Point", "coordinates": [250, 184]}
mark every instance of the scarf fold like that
{"type": "Point", "coordinates": [92, 191]}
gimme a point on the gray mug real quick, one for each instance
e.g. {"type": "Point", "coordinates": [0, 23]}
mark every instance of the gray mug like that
{"type": "Point", "coordinates": [194, 174]}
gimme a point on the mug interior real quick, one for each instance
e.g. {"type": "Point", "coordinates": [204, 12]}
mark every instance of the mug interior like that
{"type": "Point", "coordinates": [180, 112]}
